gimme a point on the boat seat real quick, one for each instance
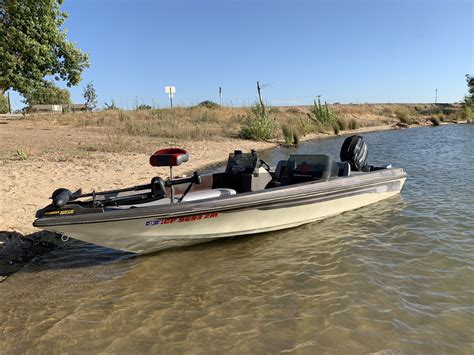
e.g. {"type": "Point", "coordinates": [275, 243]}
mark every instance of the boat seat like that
{"type": "Point", "coordinates": [169, 157]}
{"type": "Point", "coordinates": [280, 169]}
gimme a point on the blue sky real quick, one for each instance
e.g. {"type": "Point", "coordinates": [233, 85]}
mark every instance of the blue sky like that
{"type": "Point", "coordinates": [348, 51]}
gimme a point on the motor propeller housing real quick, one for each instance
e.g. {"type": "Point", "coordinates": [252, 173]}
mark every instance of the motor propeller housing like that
{"type": "Point", "coordinates": [354, 150]}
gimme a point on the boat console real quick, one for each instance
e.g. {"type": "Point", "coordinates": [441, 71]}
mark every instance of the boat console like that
{"type": "Point", "coordinates": [244, 172]}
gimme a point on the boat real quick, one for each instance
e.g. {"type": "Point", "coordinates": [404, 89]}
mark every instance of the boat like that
{"type": "Point", "coordinates": [249, 197]}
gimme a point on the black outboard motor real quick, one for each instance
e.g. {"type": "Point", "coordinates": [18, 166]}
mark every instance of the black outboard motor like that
{"type": "Point", "coordinates": [354, 150]}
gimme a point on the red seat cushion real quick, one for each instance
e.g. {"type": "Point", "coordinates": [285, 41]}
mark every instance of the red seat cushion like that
{"type": "Point", "coordinates": [169, 157]}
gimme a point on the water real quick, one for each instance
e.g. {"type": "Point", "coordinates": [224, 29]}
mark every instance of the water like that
{"type": "Point", "coordinates": [394, 277]}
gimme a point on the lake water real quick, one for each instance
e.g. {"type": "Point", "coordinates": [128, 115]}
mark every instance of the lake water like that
{"type": "Point", "coordinates": [394, 277]}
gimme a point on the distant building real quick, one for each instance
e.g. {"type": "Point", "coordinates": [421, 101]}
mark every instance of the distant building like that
{"type": "Point", "coordinates": [47, 108]}
{"type": "Point", "coordinates": [58, 108]}
{"type": "Point", "coordinates": [74, 107]}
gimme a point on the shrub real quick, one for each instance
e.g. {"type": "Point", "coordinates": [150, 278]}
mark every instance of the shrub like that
{"type": "Point", "coordinates": [258, 124]}
{"type": "Point", "coordinates": [110, 106]}
{"type": "Point", "coordinates": [435, 121]}
{"type": "Point", "coordinates": [290, 134]}
{"type": "Point", "coordinates": [293, 110]}
{"type": "Point", "coordinates": [404, 116]}
{"type": "Point", "coordinates": [467, 114]}
{"type": "Point", "coordinates": [307, 126]}
{"type": "Point", "coordinates": [208, 104]}
{"type": "Point", "coordinates": [386, 111]}
{"type": "Point", "coordinates": [21, 154]}
{"type": "Point", "coordinates": [353, 124]}
{"type": "Point", "coordinates": [143, 107]}
{"type": "Point", "coordinates": [323, 114]}
{"type": "Point", "coordinates": [342, 124]}
{"type": "Point", "coordinates": [296, 136]}
{"type": "Point", "coordinates": [335, 128]}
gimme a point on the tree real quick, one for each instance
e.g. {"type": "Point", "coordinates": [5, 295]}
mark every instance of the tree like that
{"type": "Point", "coordinates": [469, 98]}
{"type": "Point", "coordinates": [33, 45]}
{"type": "Point", "coordinates": [208, 104]}
{"type": "Point", "coordinates": [48, 94]}
{"type": "Point", "coordinates": [143, 107]}
{"type": "Point", "coordinates": [90, 96]}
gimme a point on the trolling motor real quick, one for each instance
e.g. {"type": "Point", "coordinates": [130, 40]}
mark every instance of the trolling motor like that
{"type": "Point", "coordinates": [174, 157]}
{"type": "Point", "coordinates": [164, 157]}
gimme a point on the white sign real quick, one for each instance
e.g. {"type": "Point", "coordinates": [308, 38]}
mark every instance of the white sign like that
{"type": "Point", "coordinates": [170, 90]}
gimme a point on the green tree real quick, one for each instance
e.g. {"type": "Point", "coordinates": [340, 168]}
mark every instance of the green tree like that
{"type": "Point", "coordinates": [47, 94]}
{"type": "Point", "coordinates": [33, 45]}
{"type": "Point", "coordinates": [90, 96]}
{"type": "Point", "coordinates": [469, 98]}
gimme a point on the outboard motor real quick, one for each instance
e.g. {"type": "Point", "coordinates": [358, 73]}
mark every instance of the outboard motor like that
{"type": "Point", "coordinates": [354, 150]}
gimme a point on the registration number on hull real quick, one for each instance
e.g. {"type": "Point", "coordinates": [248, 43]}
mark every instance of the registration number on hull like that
{"type": "Point", "coordinates": [181, 219]}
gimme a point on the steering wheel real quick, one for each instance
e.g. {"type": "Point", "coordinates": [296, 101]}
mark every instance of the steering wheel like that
{"type": "Point", "coordinates": [265, 165]}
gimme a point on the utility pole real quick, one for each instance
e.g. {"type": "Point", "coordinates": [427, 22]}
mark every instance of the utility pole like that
{"type": "Point", "coordinates": [436, 95]}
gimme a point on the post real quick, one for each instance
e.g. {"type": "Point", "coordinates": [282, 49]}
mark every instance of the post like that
{"type": "Point", "coordinates": [171, 185]}
{"type": "Point", "coordinates": [170, 90]}
{"type": "Point", "coordinates": [436, 95]}
{"type": "Point", "coordinates": [9, 103]}
{"type": "Point", "coordinates": [260, 97]}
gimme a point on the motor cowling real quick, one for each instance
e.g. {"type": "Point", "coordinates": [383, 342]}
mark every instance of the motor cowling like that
{"type": "Point", "coordinates": [61, 197]}
{"type": "Point", "coordinates": [354, 150]}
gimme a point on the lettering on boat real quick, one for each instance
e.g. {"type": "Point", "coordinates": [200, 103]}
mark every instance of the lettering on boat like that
{"type": "Point", "coordinates": [181, 219]}
{"type": "Point", "coordinates": [59, 212]}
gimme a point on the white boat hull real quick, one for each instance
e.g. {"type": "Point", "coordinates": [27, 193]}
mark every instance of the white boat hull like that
{"type": "Point", "coordinates": [149, 234]}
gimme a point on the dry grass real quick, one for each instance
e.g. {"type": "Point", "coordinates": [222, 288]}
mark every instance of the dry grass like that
{"type": "Point", "coordinates": [62, 137]}
{"type": "Point", "coordinates": [197, 123]}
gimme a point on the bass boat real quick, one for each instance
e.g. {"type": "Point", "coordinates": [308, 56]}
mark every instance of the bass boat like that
{"type": "Point", "coordinates": [248, 197]}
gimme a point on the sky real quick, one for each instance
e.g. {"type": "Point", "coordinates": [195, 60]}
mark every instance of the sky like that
{"type": "Point", "coordinates": [359, 51]}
